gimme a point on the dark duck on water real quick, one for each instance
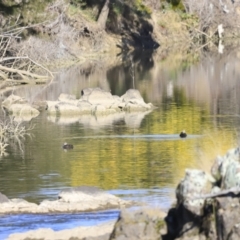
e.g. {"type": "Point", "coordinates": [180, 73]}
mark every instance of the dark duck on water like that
{"type": "Point", "coordinates": [67, 146]}
{"type": "Point", "coordinates": [183, 134]}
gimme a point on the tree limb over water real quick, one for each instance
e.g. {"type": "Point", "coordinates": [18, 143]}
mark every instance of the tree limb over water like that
{"type": "Point", "coordinates": [17, 68]}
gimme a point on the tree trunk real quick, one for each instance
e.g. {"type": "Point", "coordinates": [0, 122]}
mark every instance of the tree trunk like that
{"type": "Point", "coordinates": [102, 19]}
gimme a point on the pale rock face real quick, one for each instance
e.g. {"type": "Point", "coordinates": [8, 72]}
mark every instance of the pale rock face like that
{"type": "Point", "coordinates": [227, 169]}
{"type": "Point", "coordinates": [20, 108]}
{"type": "Point", "coordinates": [195, 183]}
{"type": "Point", "coordinates": [232, 175]}
{"type": "Point", "coordinates": [13, 99]}
{"type": "Point", "coordinates": [133, 96]}
{"type": "Point", "coordinates": [215, 170]}
{"type": "Point", "coordinates": [67, 108]}
{"type": "Point", "coordinates": [84, 106]}
{"type": "Point", "coordinates": [66, 97]}
{"type": "Point", "coordinates": [228, 158]}
{"type": "Point", "coordinates": [98, 96]}
{"type": "Point", "coordinates": [23, 110]}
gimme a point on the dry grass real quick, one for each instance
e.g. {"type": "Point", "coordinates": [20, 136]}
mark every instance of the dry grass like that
{"type": "Point", "coordinates": [12, 130]}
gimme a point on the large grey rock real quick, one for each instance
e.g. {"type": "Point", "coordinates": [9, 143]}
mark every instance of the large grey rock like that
{"type": "Point", "coordinates": [19, 107]}
{"type": "Point", "coordinates": [23, 110]}
{"type": "Point", "coordinates": [145, 224]}
{"type": "Point", "coordinates": [134, 101]}
{"type": "Point", "coordinates": [85, 107]}
{"type": "Point", "coordinates": [13, 99]}
{"type": "Point", "coordinates": [67, 108]}
{"type": "Point", "coordinates": [97, 96]}
{"type": "Point", "coordinates": [226, 169]}
{"type": "Point", "coordinates": [227, 217]}
{"type": "Point", "coordinates": [133, 96]}
{"type": "Point", "coordinates": [195, 183]}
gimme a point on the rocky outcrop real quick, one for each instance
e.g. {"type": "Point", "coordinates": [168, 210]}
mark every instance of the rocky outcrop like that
{"type": "Point", "coordinates": [208, 207]}
{"type": "Point", "coordinates": [96, 101]}
{"type": "Point", "coordinates": [79, 199]}
{"type": "Point", "coordinates": [19, 108]}
{"type": "Point", "coordinates": [146, 223]}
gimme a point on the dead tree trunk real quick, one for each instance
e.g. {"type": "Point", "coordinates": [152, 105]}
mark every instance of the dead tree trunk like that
{"type": "Point", "coordinates": [102, 18]}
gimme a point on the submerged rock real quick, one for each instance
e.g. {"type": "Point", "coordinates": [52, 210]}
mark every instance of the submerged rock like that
{"type": "Point", "coordinates": [84, 199]}
{"type": "Point", "coordinates": [79, 199]}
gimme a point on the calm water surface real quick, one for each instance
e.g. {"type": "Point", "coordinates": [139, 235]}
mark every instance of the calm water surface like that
{"type": "Point", "coordinates": [136, 156]}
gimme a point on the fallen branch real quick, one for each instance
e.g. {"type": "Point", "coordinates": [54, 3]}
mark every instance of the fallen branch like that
{"type": "Point", "coordinates": [23, 73]}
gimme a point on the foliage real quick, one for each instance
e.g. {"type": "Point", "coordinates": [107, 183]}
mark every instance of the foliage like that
{"type": "Point", "coordinates": [172, 5]}
{"type": "Point", "coordinates": [141, 8]}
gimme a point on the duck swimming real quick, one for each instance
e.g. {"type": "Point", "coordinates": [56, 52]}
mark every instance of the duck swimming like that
{"type": "Point", "coordinates": [183, 134]}
{"type": "Point", "coordinates": [67, 146]}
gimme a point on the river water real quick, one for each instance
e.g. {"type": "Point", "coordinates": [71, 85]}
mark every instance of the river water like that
{"type": "Point", "coordinates": [136, 156]}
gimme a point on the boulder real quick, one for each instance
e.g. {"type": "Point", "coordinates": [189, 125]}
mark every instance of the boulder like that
{"type": "Point", "coordinates": [97, 96]}
{"type": "Point", "coordinates": [13, 99]}
{"type": "Point", "coordinates": [67, 108]}
{"type": "Point", "coordinates": [85, 107]}
{"type": "Point", "coordinates": [23, 110]}
{"type": "Point", "coordinates": [134, 101]}
{"type": "Point", "coordinates": [102, 110]}
{"type": "Point", "coordinates": [19, 107]}
{"type": "Point", "coordinates": [145, 223]}
{"type": "Point", "coordinates": [133, 96]}
{"type": "Point", "coordinates": [196, 182]}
